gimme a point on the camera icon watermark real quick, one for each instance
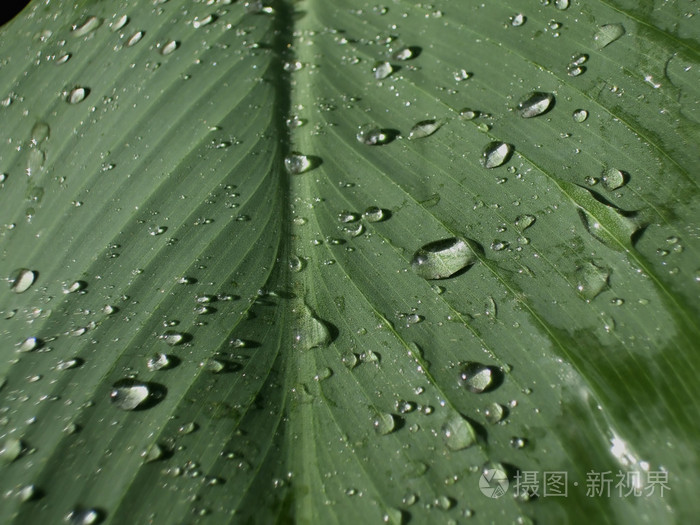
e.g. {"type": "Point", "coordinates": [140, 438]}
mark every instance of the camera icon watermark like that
{"type": "Point", "coordinates": [493, 483]}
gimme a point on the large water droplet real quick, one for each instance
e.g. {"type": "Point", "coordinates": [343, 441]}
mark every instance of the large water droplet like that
{"type": "Point", "coordinates": [10, 450]}
{"type": "Point", "coordinates": [561, 4]}
{"type": "Point", "coordinates": [496, 154]}
{"type": "Point", "coordinates": [373, 136]}
{"type": "Point", "coordinates": [85, 517]}
{"type": "Point", "coordinates": [424, 128]}
{"type": "Point", "coordinates": [131, 394]}
{"type": "Point", "coordinates": [477, 377]}
{"type": "Point", "coordinates": [591, 279]}
{"type": "Point", "coordinates": [22, 279]}
{"type": "Point", "coordinates": [201, 22]}
{"type": "Point", "coordinates": [77, 95]}
{"type": "Point", "coordinates": [312, 332]}
{"type": "Point", "coordinates": [40, 132]}
{"type": "Point", "coordinates": [524, 221]}
{"type": "Point", "coordinates": [518, 20]}
{"type": "Point", "coordinates": [407, 53]}
{"type": "Point", "coordinates": [297, 163]}
{"type": "Point", "coordinates": [535, 103]}
{"type": "Point", "coordinates": [375, 214]}
{"type": "Point", "coordinates": [607, 34]}
{"type": "Point", "coordinates": [580, 115]}
{"type": "Point", "coordinates": [134, 39]}
{"type": "Point", "coordinates": [384, 423]}
{"type": "Point", "coordinates": [87, 26]}
{"type": "Point", "coordinates": [382, 70]}
{"type": "Point", "coordinates": [458, 433]}
{"type": "Point", "coordinates": [160, 361]}
{"type": "Point", "coordinates": [613, 178]}
{"type": "Point", "coordinates": [442, 259]}
{"type": "Point", "coordinates": [169, 47]}
{"type": "Point", "coordinates": [173, 338]}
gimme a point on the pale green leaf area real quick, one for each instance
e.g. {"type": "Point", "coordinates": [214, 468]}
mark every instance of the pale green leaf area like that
{"type": "Point", "coordinates": [205, 333]}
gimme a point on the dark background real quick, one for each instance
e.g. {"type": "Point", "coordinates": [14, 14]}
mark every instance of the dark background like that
{"type": "Point", "coordinates": [10, 8]}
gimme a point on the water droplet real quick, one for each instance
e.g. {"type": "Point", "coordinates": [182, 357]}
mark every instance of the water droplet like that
{"type": "Point", "coordinates": [40, 132]}
{"type": "Point", "coordinates": [75, 286]}
{"type": "Point", "coordinates": [131, 394]}
{"type": "Point", "coordinates": [134, 39]}
{"type": "Point", "coordinates": [22, 279]}
{"type": "Point", "coordinates": [476, 377]}
{"type": "Point", "coordinates": [188, 428]}
{"type": "Point", "coordinates": [574, 71]}
{"type": "Point", "coordinates": [373, 136]}
{"type": "Point", "coordinates": [119, 23]}
{"type": "Point", "coordinates": [87, 26]}
{"type": "Point", "coordinates": [10, 450]}
{"type": "Point", "coordinates": [561, 4]}
{"type": "Point", "coordinates": [297, 163]}
{"type": "Point", "coordinates": [424, 128]}
{"type": "Point", "coordinates": [580, 115]}
{"type": "Point", "coordinates": [347, 216]}
{"type": "Point", "coordinates": [458, 433]}
{"type": "Point", "coordinates": [494, 413]}
{"type": "Point", "coordinates": [518, 20]}
{"type": "Point", "coordinates": [375, 214]}
{"type": "Point", "coordinates": [536, 103]}
{"type": "Point", "coordinates": [312, 332]}
{"type": "Point", "coordinates": [160, 361]}
{"type": "Point", "coordinates": [384, 423]}
{"type": "Point", "coordinates": [85, 517]}
{"type": "Point", "coordinates": [28, 493]}
{"type": "Point", "coordinates": [498, 245]}
{"type": "Point", "coordinates": [173, 338]}
{"type": "Point", "coordinates": [407, 53]}
{"type": "Point", "coordinates": [468, 114]}
{"type": "Point", "coordinates": [69, 364]}
{"type": "Point", "coordinates": [201, 22]}
{"type": "Point", "coordinates": [30, 344]}
{"type": "Point", "coordinates": [442, 259]}
{"type": "Point", "coordinates": [524, 221]}
{"type": "Point", "coordinates": [518, 442]}
{"type": "Point", "coordinates": [496, 154]}
{"type": "Point", "coordinates": [169, 47]}
{"type": "Point", "coordinates": [607, 34]}
{"type": "Point", "coordinates": [382, 70]}
{"type": "Point", "coordinates": [461, 75]}
{"type": "Point", "coordinates": [613, 178]}
{"type": "Point", "coordinates": [591, 279]}
{"type": "Point", "coordinates": [77, 95]}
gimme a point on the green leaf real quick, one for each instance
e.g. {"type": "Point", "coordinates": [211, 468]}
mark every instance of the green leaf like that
{"type": "Point", "coordinates": [213, 217]}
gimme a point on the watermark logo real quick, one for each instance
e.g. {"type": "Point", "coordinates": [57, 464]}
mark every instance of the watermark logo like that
{"type": "Point", "coordinates": [493, 483]}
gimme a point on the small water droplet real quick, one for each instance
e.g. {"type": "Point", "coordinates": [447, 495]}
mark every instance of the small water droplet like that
{"type": "Point", "coordinates": [535, 103]}
{"type": "Point", "coordinates": [40, 132]}
{"type": "Point", "coordinates": [461, 75]}
{"type": "Point", "coordinates": [496, 154]}
{"type": "Point", "coordinates": [613, 178]}
{"type": "Point", "coordinates": [424, 128]}
{"type": "Point", "coordinates": [75, 286]}
{"type": "Point", "coordinates": [297, 163]}
{"type": "Point", "coordinates": [580, 115]}
{"type": "Point", "coordinates": [575, 71]}
{"type": "Point", "coordinates": [173, 338]}
{"type": "Point", "coordinates": [591, 280]}
{"type": "Point", "coordinates": [77, 95]}
{"type": "Point", "coordinates": [22, 279]}
{"type": "Point", "coordinates": [524, 221]}
{"type": "Point", "coordinates": [458, 433]}
{"type": "Point", "coordinates": [442, 259]}
{"type": "Point", "coordinates": [382, 70]}
{"type": "Point", "coordinates": [518, 442]}
{"type": "Point", "coordinates": [476, 377]}
{"type": "Point", "coordinates": [494, 413]}
{"type": "Point", "coordinates": [518, 20]}
{"type": "Point", "coordinates": [607, 34]}
{"type": "Point", "coordinates": [69, 364]}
